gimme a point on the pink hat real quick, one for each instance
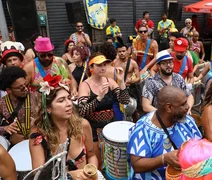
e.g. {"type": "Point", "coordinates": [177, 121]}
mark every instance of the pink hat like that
{"type": "Point", "coordinates": [43, 45]}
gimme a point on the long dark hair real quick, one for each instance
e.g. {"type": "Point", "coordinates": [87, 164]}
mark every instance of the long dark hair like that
{"type": "Point", "coordinates": [208, 97]}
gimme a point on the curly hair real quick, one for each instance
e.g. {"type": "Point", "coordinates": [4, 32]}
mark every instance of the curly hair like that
{"type": "Point", "coordinates": [9, 75]}
{"type": "Point", "coordinates": [84, 52]}
{"type": "Point", "coordinates": [51, 132]}
{"type": "Point", "coordinates": [108, 50]}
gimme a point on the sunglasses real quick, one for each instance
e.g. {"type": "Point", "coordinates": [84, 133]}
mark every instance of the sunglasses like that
{"type": "Point", "coordinates": [142, 31]}
{"type": "Point", "coordinates": [80, 26]}
{"type": "Point", "coordinates": [49, 55]}
{"type": "Point", "coordinates": [188, 23]}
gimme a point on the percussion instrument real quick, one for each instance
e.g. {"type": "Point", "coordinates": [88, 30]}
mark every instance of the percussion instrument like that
{"type": "Point", "coordinates": [196, 92]}
{"type": "Point", "coordinates": [4, 142]}
{"type": "Point", "coordinates": [145, 75]}
{"type": "Point", "coordinates": [116, 137]}
{"type": "Point", "coordinates": [22, 158]}
{"type": "Point", "coordinates": [172, 173]}
{"type": "Point", "coordinates": [131, 107]}
{"type": "Point", "coordinates": [90, 171]}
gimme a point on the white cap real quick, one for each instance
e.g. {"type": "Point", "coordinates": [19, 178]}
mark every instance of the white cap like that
{"type": "Point", "coordinates": [162, 56]}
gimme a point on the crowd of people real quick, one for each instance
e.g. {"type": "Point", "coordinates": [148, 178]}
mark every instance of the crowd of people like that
{"type": "Point", "coordinates": [63, 103]}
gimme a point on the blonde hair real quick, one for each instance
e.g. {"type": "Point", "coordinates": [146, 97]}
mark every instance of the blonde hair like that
{"type": "Point", "coordinates": [51, 132]}
{"type": "Point", "coordinates": [188, 19]}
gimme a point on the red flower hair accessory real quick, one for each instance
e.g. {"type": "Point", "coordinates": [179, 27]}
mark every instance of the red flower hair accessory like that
{"type": "Point", "coordinates": [50, 83]}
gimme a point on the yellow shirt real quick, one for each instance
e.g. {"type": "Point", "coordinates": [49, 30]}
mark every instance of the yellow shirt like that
{"type": "Point", "coordinates": [168, 23]}
{"type": "Point", "coordinates": [113, 30]}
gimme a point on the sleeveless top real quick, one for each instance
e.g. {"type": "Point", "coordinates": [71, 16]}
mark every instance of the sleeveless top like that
{"type": "Point", "coordinates": [196, 47]}
{"type": "Point", "coordinates": [57, 68]}
{"type": "Point", "coordinates": [68, 60]}
{"type": "Point", "coordinates": [75, 39]}
{"type": "Point", "coordinates": [72, 164]}
{"type": "Point", "coordinates": [104, 109]}
{"type": "Point", "coordinates": [138, 45]}
{"type": "Point", "coordinates": [78, 72]}
{"type": "Point", "coordinates": [106, 103]}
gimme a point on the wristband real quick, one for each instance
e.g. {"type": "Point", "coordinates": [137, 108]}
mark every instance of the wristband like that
{"type": "Point", "coordinates": [163, 159]}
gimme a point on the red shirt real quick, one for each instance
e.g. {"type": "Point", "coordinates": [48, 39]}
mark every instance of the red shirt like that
{"type": "Point", "coordinates": [149, 23]}
{"type": "Point", "coordinates": [178, 65]}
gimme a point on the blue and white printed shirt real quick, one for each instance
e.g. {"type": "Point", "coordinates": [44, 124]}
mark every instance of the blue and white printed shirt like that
{"type": "Point", "coordinates": [149, 141]}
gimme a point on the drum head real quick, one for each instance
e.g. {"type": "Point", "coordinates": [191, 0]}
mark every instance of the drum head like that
{"type": "Point", "coordinates": [4, 142]}
{"type": "Point", "coordinates": [21, 156]}
{"type": "Point", "coordinates": [117, 131]}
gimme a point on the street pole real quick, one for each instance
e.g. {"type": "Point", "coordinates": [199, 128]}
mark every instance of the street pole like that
{"type": "Point", "coordinates": [3, 24]}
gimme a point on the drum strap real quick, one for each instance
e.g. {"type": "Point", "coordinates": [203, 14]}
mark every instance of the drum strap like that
{"type": "Point", "coordinates": [165, 130]}
{"type": "Point", "coordinates": [40, 68]}
{"type": "Point", "coordinates": [14, 113]}
{"type": "Point", "coordinates": [145, 54]}
{"type": "Point", "coordinates": [127, 69]}
{"type": "Point", "coordinates": [183, 65]}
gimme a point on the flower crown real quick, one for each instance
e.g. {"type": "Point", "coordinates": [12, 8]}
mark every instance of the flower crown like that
{"type": "Point", "coordinates": [52, 82]}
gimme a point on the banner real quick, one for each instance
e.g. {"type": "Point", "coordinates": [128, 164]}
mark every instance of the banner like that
{"type": "Point", "coordinates": [96, 13]}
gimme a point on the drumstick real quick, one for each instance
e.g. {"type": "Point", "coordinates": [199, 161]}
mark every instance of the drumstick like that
{"type": "Point", "coordinates": [143, 52]}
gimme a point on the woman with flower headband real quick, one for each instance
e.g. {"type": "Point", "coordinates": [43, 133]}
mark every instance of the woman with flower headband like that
{"type": "Point", "coordinates": [195, 158]}
{"type": "Point", "coordinates": [57, 121]}
{"type": "Point", "coordinates": [97, 95]}
{"type": "Point", "coordinates": [69, 44]}
{"type": "Point", "coordinates": [79, 66]}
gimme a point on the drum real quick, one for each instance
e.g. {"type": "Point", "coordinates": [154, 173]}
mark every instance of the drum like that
{"type": "Point", "coordinates": [172, 173]}
{"type": "Point", "coordinates": [4, 142]}
{"type": "Point", "coordinates": [22, 158]}
{"type": "Point", "coordinates": [196, 92]}
{"type": "Point", "coordinates": [115, 156]}
{"type": "Point", "coordinates": [145, 75]}
{"type": "Point", "coordinates": [131, 107]}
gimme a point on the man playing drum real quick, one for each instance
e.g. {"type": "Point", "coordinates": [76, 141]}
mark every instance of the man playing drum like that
{"type": "Point", "coordinates": [144, 50]}
{"type": "Point", "coordinates": [182, 63]}
{"type": "Point", "coordinates": [131, 73]}
{"type": "Point", "coordinates": [16, 106]}
{"type": "Point", "coordinates": [155, 138]}
{"type": "Point", "coordinates": [165, 77]}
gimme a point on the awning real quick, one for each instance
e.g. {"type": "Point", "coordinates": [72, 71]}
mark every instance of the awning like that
{"type": "Point", "coordinates": [204, 6]}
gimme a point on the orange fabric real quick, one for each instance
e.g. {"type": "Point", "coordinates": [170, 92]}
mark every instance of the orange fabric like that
{"type": "Point", "coordinates": [138, 45]}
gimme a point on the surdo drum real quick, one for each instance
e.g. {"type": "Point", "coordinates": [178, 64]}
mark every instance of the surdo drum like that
{"type": "Point", "coordinates": [4, 142]}
{"type": "Point", "coordinates": [115, 155]}
{"type": "Point", "coordinates": [22, 158]}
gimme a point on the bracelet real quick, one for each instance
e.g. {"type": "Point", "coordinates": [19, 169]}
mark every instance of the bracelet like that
{"type": "Point", "coordinates": [163, 159]}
